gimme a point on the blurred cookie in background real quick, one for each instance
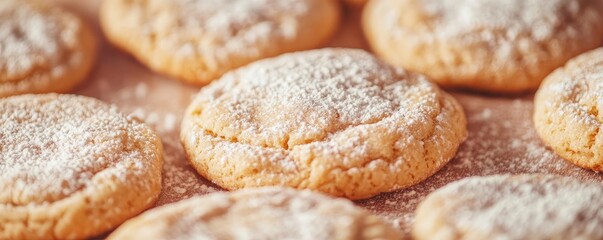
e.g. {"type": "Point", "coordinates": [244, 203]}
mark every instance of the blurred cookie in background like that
{"type": "Point", "coordinates": [197, 41]}
{"type": "Point", "coordinates": [43, 48]}
{"type": "Point", "coordinates": [485, 45]}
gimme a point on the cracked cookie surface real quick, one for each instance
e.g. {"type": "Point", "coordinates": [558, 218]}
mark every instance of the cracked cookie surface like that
{"type": "Point", "coordinates": [42, 48]}
{"type": "Point", "coordinates": [512, 207]}
{"type": "Point", "coordinates": [264, 213]}
{"type": "Point", "coordinates": [198, 40]}
{"type": "Point", "coordinates": [487, 45]}
{"type": "Point", "coordinates": [568, 112]}
{"type": "Point", "coordinates": [334, 120]}
{"type": "Point", "coordinates": [72, 167]}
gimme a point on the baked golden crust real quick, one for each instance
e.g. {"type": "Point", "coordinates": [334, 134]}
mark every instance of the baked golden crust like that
{"type": "Point", "coordinates": [72, 167]}
{"type": "Point", "coordinates": [42, 48]}
{"type": "Point", "coordinates": [197, 41]}
{"type": "Point", "coordinates": [486, 45]}
{"type": "Point", "coordinates": [334, 120]}
{"type": "Point", "coordinates": [568, 111]}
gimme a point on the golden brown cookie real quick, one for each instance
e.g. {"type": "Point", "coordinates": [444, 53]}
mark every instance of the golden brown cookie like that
{"type": "Point", "coordinates": [198, 40]}
{"type": "Point", "coordinates": [264, 213]}
{"type": "Point", "coordinates": [337, 121]}
{"type": "Point", "coordinates": [72, 167]}
{"type": "Point", "coordinates": [42, 48]}
{"type": "Point", "coordinates": [497, 46]}
{"type": "Point", "coordinates": [512, 207]}
{"type": "Point", "coordinates": [568, 113]}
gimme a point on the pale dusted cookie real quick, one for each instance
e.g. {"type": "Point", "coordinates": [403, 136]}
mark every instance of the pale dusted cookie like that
{"type": "Point", "coordinates": [262, 213]}
{"type": "Point", "coordinates": [568, 110]}
{"type": "Point", "coordinates": [72, 167]}
{"type": "Point", "coordinates": [42, 48]}
{"type": "Point", "coordinates": [500, 46]}
{"type": "Point", "coordinates": [337, 121]}
{"type": "Point", "coordinates": [198, 40]}
{"type": "Point", "coordinates": [512, 207]}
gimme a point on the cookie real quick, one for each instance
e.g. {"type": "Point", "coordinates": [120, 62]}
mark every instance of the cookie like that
{"type": "Point", "coordinates": [338, 121]}
{"type": "Point", "coordinates": [42, 48]}
{"type": "Point", "coordinates": [512, 207]}
{"type": "Point", "coordinates": [264, 213]}
{"type": "Point", "coordinates": [485, 45]}
{"type": "Point", "coordinates": [198, 40]}
{"type": "Point", "coordinates": [72, 167]}
{"type": "Point", "coordinates": [568, 110]}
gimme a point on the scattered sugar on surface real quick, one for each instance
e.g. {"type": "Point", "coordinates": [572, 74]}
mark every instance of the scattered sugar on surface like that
{"type": "Point", "coordinates": [180, 180]}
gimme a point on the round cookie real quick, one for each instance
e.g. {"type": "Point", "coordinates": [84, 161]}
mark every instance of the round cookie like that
{"type": "Point", "coordinates": [497, 46]}
{"type": "Point", "coordinates": [337, 121]}
{"type": "Point", "coordinates": [199, 40]}
{"type": "Point", "coordinates": [72, 167]}
{"type": "Point", "coordinates": [512, 207]}
{"type": "Point", "coordinates": [42, 48]}
{"type": "Point", "coordinates": [568, 110]}
{"type": "Point", "coordinates": [264, 213]}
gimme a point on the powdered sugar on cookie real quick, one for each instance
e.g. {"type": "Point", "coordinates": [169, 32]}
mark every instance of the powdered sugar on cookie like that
{"type": "Point", "coordinates": [264, 213]}
{"type": "Point", "coordinates": [34, 39]}
{"type": "Point", "coordinates": [304, 98]}
{"type": "Point", "coordinates": [53, 145]}
{"type": "Point", "coordinates": [327, 113]}
{"type": "Point", "coordinates": [509, 18]}
{"type": "Point", "coordinates": [225, 27]}
{"type": "Point", "coordinates": [514, 207]}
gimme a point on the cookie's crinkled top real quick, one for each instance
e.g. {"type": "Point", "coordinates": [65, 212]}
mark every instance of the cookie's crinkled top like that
{"type": "Point", "coordinates": [302, 98]}
{"type": "Point", "coordinates": [54, 145]}
{"type": "Point", "coordinates": [523, 207]}
{"type": "Point", "coordinates": [35, 38]}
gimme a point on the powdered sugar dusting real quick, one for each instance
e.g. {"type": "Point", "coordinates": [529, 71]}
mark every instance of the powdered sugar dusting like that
{"type": "Point", "coordinates": [53, 145]}
{"type": "Point", "coordinates": [264, 213]}
{"type": "Point", "coordinates": [226, 27]}
{"type": "Point", "coordinates": [34, 38]}
{"type": "Point", "coordinates": [512, 18]}
{"type": "Point", "coordinates": [180, 180]}
{"type": "Point", "coordinates": [299, 98]}
{"type": "Point", "coordinates": [577, 89]}
{"type": "Point", "coordinates": [521, 207]}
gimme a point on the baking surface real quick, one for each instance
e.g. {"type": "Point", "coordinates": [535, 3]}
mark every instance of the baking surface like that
{"type": "Point", "coordinates": [501, 136]}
